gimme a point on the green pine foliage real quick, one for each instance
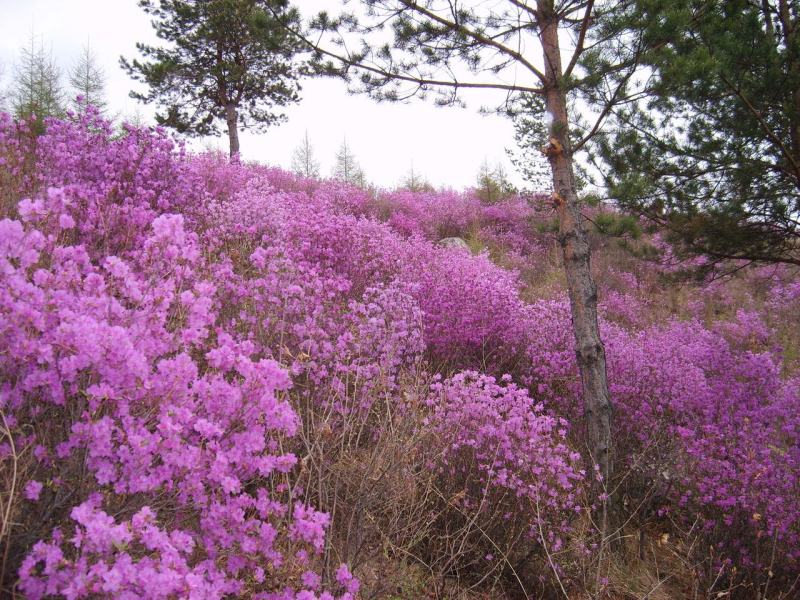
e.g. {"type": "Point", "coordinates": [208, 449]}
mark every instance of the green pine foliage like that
{"type": "Point", "coordinates": [712, 152]}
{"type": "Point", "coordinates": [225, 60]}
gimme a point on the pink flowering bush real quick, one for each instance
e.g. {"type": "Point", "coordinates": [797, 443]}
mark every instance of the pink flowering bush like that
{"type": "Point", "coordinates": [507, 477]}
{"type": "Point", "coordinates": [118, 183]}
{"type": "Point", "coordinates": [703, 427]}
{"type": "Point", "coordinates": [727, 439]}
{"type": "Point", "coordinates": [148, 423]}
{"type": "Point", "coordinates": [432, 214]}
{"type": "Point", "coordinates": [215, 380]}
{"type": "Point", "coordinates": [157, 437]}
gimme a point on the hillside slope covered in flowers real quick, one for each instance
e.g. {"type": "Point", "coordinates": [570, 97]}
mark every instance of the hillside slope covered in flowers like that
{"type": "Point", "coordinates": [222, 380]}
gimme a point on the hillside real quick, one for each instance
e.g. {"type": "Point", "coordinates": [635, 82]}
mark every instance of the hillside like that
{"type": "Point", "coordinates": [223, 380]}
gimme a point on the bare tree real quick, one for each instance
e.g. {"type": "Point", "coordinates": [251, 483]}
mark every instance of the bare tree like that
{"type": "Point", "coordinates": [3, 89]}
{"type": "Point", "coordinates": [36, 89]}
{"type": "Point", "coordinates": [303, 161]}
{"type": "Point", "coordinates": [346, 167]}
{"type": "Point", "coordinates": [88, 81]}
{"type": "Point", "coordinates": [414, 181]}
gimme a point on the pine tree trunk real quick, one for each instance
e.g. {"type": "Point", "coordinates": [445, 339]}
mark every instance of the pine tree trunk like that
{"type": "Point", "coordinates": [232, 119]}
{"type": "Point", "coordinates": [574, 242]}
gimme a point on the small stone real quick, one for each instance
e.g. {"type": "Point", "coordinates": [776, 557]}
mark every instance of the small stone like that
{"type": "Point", "coordinates": [454, 242]}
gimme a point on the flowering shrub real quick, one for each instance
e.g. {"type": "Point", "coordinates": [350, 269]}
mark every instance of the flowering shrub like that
{"type": "Point", "coordinates": [703, 426]}
{"type": "Point", "coordinates": [432, 214]}
{"type": "Point", "coordinates": [119, 183]}
{"type": "Point", "coordinates": [733, 439]}
{"type": "Point", "coordinates": [179, 332]}
{"type": "Point", "coordinates": [495, 447]}
{"type": "Point", "coordinates": [148, 423]}
{"type": "Point", "coordinates": [162, 431]}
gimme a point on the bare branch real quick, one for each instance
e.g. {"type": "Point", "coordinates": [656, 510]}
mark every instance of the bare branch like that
{"type": "Point", "coordinates": [478, 37]}
{"type": "Point", "coordinates": [579, 45]}
{"type": "Point", "coordinates": [419, 80]}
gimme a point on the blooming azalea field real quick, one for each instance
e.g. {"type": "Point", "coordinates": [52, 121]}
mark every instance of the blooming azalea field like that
{"type": "Point", "coordinates": [222, 380]}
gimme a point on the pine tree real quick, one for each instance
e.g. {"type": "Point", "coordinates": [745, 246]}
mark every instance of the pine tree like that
{"type": "Point", "coordinates": [530, 135]}
{"type": "Point", "coordinates": [88, 81]}
{"type": "Point", "coordinates": [711, 153]}
{"type": "Point", "coordinates": [346, 167]}
{"type": "Point", "coordinates": [227, 60]}
{"type": "Point", "coordinates": [303, 161]}
{"type": "Point", "coordinates": [36, 89]}
{"type": "Point", "coordinates": [555, 49]}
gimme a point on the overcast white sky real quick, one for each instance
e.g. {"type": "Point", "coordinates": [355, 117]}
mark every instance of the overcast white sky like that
{"type": "Point", "coordinates": [446, 145]}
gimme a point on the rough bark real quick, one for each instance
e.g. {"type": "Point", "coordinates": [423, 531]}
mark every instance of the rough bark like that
{"type": "Point", "coordinates": [232, 118]}
{"type": "Point", "coordinates": [790, 37]}
{"type": "Point", "coordinates": [589, 348]}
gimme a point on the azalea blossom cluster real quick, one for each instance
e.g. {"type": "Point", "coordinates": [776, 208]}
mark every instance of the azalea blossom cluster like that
{"type": "Point", "coordinates": [704, 412]}
{"type": "Point", "coordinates": [173, 325]}
{"type": "Point", "coordinates": [157, 434]}
{"type": "Point", "coordinates": [502, 447]}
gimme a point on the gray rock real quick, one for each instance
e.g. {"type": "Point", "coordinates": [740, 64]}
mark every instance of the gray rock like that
{"type": "Point", "coordinates": [454, 242]}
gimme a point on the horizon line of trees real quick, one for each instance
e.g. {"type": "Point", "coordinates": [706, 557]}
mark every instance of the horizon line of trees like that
{"type": "Point", "coordinates": [492, 183]}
